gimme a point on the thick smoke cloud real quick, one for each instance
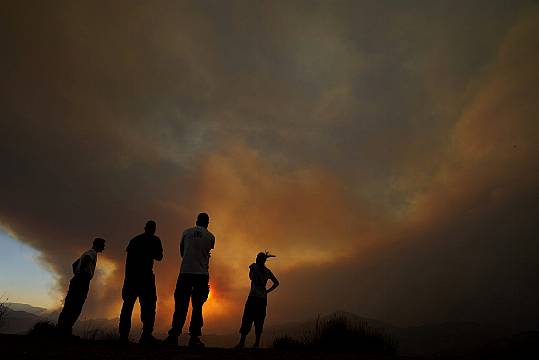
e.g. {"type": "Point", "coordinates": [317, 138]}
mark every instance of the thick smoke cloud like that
{"type": "Point", "coordinates": [386, 153]}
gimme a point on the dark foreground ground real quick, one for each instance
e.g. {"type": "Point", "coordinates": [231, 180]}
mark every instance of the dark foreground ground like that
{"type": "Point", "coordinates": [27, 347]}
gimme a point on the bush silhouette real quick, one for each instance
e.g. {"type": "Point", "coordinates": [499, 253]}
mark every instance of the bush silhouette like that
{"type": "Point", "coordinates": [287, 342]}
{"type": "Point", "coordinates": [3, 311]}
{"type": "Point", "coordinates": [338, 334]}
{"type": "Point", "coordinates": [100, 334]}
{"type": "Point", "coordinates": [43, 329]}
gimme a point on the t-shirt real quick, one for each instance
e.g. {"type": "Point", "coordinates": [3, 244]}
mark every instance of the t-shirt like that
{"type": "Point", "coordinates": [142, 250]}
{"type": "Point", "coordinates": [259, 276]}
{"type": "Point", "coordinates": [87, 267]}
{"type": "Point", "coordinates": [196, 243]}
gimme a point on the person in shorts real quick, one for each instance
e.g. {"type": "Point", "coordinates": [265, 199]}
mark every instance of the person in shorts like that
{"type": "Point", "coordinates": [255, 306]}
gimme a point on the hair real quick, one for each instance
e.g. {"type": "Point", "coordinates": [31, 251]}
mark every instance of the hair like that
{"type": "Point", "coordinates": [261, 257]}
{"type": "Point", "coordinates": [203, 219]}
{"type": "Point", "coordinates": [99, 241]}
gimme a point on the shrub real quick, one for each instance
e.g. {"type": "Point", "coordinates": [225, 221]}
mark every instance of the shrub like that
{"type": "Point", "coordinates": [338, 334]}
{"type": "Point", "coordinates": [100, 334]}
{"type": "Point", "coordinates": [286, 342]}
{"type": "Point", "coordinates": [43, 329]}
{"type": "Point", "coordinates": [3, 311]}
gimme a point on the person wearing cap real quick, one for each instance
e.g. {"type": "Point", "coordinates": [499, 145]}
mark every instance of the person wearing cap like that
{"type": "Point", "coordinates": [193, 281]}
{"type": "Point", "coordinates": [255, 306]}
{"type": "Point", "coordinates": [83, 272]}
{"type": "Point", "coordinates": [139, 283]}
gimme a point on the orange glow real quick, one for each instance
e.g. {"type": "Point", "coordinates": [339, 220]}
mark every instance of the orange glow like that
{"type": "Point", "coordinates": [215, 306]}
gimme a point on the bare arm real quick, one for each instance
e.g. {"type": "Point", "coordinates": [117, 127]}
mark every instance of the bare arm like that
{"type": "Point", "coordinates": [212, 245]}
{"type": "Point", "coordinates": [158, 251]}
{"type": "Point", "coordinates": [275, 284]}
{"type": "Point", "coordinates": [181, 247]}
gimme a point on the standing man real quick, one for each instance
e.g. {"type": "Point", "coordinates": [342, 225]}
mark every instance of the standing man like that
{"type": "Point", "coordinates": [193, 281]}
{"type": "Point", "coordinates": [139, 283]}
{"type": "Point", "coordinates": [83, 270]}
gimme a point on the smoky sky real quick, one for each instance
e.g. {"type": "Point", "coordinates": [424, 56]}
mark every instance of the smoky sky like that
{"type": "Point", "coordinates": [385, 151]}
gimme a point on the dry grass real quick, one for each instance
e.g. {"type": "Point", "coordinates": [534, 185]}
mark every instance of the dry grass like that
{"type": "Point", "coordinates": [100, 334]}
{"type": "Point", "coordinates": [338, 334]}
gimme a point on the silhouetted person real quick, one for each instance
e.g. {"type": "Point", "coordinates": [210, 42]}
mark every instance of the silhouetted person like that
{"type": "Point", "coordinates": [83, 270]}
{"type": "Point", "coordinates": [139, 283]}
{"type": "Point", "coordinates": [193, 281]}
{"type": "Point", "coordinates": [255, 306]}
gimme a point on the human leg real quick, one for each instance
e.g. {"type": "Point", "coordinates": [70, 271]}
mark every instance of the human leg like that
{"type": "Point", "coordinates": [73, 303]}
{"type": "Point", "coordinates": [129, 296]}
{"type": "Point", "coordinates": [200, 294]}
{"type": "Point", "coordinates": [148, 300]}
{"type": "Point", "coordinates": [259, 317]}
{"type": "Point", "coordinates": [246, 322]}
{"type": "Point", "coordinates": [182, 295]}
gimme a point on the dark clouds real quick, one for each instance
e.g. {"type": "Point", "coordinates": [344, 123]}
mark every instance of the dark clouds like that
{"type": "Point", "coordinates": [389, 146]}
